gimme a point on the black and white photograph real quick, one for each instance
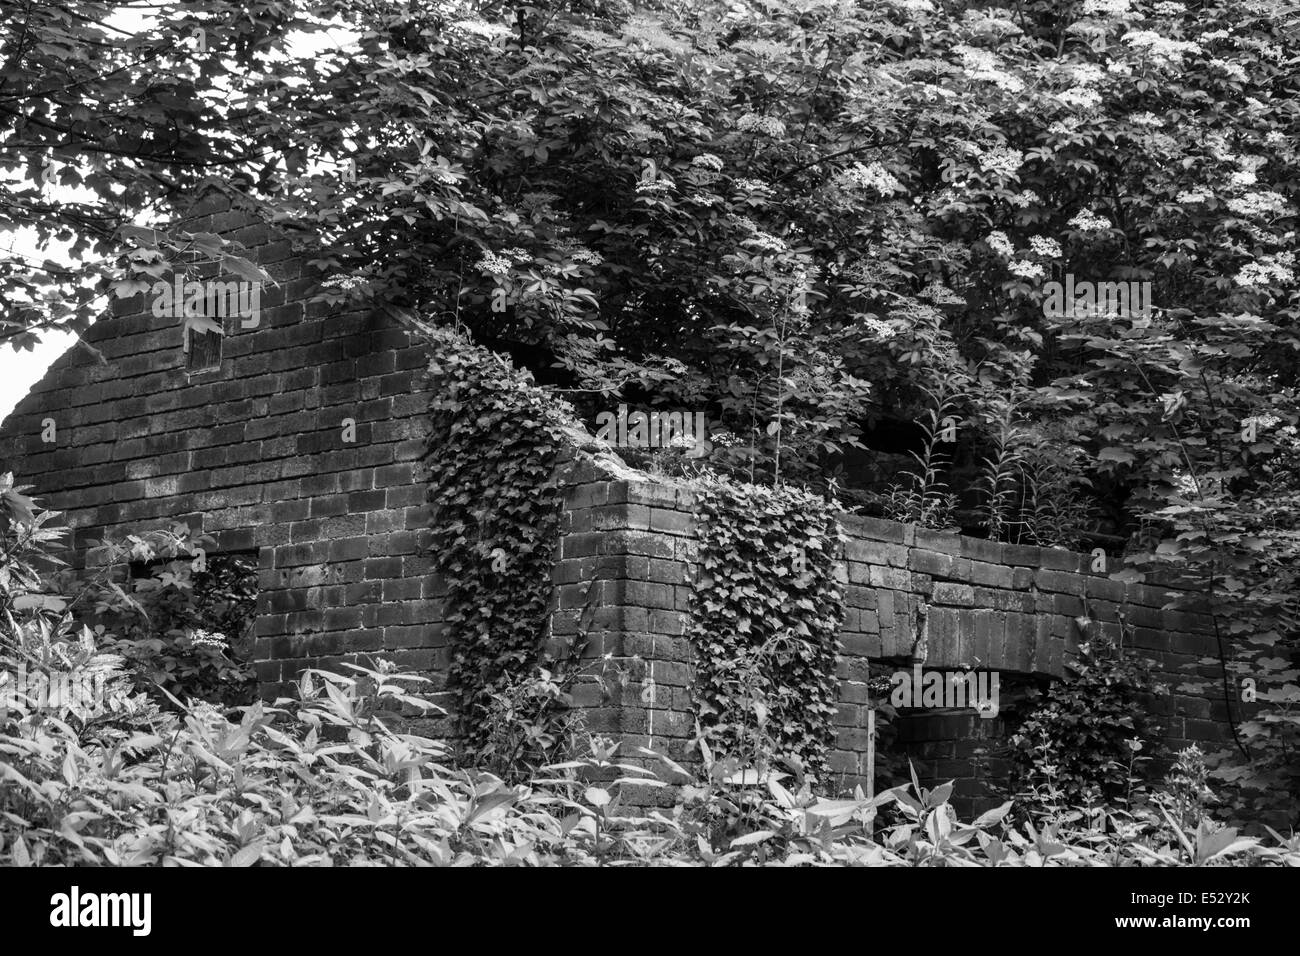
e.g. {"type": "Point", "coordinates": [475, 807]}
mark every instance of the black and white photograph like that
{"type": "Point", "coordinates": [645, 434]}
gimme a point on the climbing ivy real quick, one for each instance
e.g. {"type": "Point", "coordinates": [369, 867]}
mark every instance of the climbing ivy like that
{"type": "Point", "coordinates": [767, 611]}
{"type": "Point", "coordinates": [491, 454]}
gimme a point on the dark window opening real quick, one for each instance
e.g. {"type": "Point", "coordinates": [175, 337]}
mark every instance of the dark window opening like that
{"type": "Point", "coordinates": [204, 350]}
{"type": "Point", "coordinates": [197, 639]}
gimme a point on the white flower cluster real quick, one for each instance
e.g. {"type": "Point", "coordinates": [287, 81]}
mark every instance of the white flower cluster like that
{"type": "Point", "coordinates": [753, 185]}
{"type": "Point", "coordinates": [992, 20]}
{"type": "Point", "coordinates": [1088, 221]}
{"type": "Point", "coordinates": [1234, 70]}
{"type": "Point", "coordinates": [342, 282]}
{"type": "Point", "coordinates": [1275, 138]}
{"type": "Point", "coordinates": [987, 68]}
{"type": "Point", "coordinates": [1167, 8]}
{"type": "Point", "coordinates": [913, 6]}
{"type": "Point", "coordinates": [205, 638]}
{"type": "Point", "coordinates": [660, 184]}
{"type": "Point", "coordinates": [1044, 247]}
{"type": "Point", "coordinates": [1161, 48]}
{"type": "Point", "coordinates": [1107, 8]}
{"type": "Point", "coordinates": [1087, 74]}
{"type": "Point", "coordinates": [1190, 197]}
{"type": "Point", "coordinates": [1261, 422]}
{"type": "Point", "coordinates": [1000, 244]}
{"type": "Point", "coordinates": [1212, 35]}
{"type": "Point", "coordinates": [1145, 119]}
{"type": "Point", "coordinates": [484, 29]}
{"type": "Point", "coordinates": [768, 125]}
{"type": "Point", "coordinates": [880, 328]}
{"type": "Point", "coordinates": [1277, 269]}
{"type": "Point", "coordinates": [587, 256]}
{"type": "Point", "coordinates": [1027, 269]}
{"type": "Point", "coordinates": [1024, 200]}
{"type": "Point", "coordinates": [765, 242]}
{"type": "Point", "coordinates": [1265, 202]}
{"type": "Point", "coordinates": [707, 161]}
{"type": "Point", "coordinates": [1001, 160]}
{"type": "Point", "coordinates": [1060, 129]}
{"type": "Point", "coordinates": [1242, 178]}
{"type": "Point", "coordinates": [493, 265]}
{"type": "Point", "coordinates": [940, 294]}
{"type": "Point", "coordinates": [874, 177]}
{"type": "Point", "coordinates": [1080, 97]}
{"type": "Point", "coordinates": [1119, 68]}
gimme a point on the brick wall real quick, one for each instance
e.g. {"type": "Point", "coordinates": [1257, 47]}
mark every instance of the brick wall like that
{"type": "Point", "coordinates": [627, 555]}
{"type": "Point", "coordinates": [253, 453]}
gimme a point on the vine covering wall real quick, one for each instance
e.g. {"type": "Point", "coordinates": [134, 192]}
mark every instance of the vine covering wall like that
{"type": "Point", "coordinates": [491, 455]}
{"type": "Point", "coordinates": [767, 611]}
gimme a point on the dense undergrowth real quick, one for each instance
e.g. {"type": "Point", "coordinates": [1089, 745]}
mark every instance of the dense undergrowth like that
{"type": "Point", "coordinates": [117, 775]}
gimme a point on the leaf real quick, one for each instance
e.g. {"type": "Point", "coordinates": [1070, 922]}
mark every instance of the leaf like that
{"type": "Point", "coordinates": [758, 836]}
{"type": "Point", "coordinates": [990, 817]}
{"type": "Point", "coordinates": [247, 856]}
{"type": "Point", "coordinates": [596, 796]}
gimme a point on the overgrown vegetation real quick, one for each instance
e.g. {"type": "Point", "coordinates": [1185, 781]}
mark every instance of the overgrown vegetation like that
{"type": "Point", "coordinates": [1079, 744]}
{"type": "Point", "coordinates": [322, 778]}
{"type": "Point", "coordinates": [766, 615]}
{"type": "Point", "coordinates": [492, 454]}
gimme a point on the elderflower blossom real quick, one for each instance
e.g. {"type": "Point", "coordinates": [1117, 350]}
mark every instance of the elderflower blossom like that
{"type": "Point", "coordinates": [1261, 203]}
{"type": "Point", "coordinates": [1001, 160]}
{"type": "Point", "coordinates": [1000, 244]}
{"type": "Point", "coordinates": [1160, 47]}
{"type": "Point", "coordinates": [1267, 270]}
{"type": "Point", "coordinates": [913, 6]}
{"type": "Point", "coordinates": [708, 161]}
{"type": "Point", "coordinates": [1106, 8]}
{"type": "Point", "coordinates": [1080, 97]}
{"type": "Point", "coordinates": [1024, 199]}
{"type": "Point", "coordinates": [1086, 74]}
{"type": "Point", "coordinates": [1234, 70]}
{"type": "Point", "coordinates": [1026, 269]}
{"type": "Point", "coordinates": [1167, 8]}
{"type": "Point", "coordinates": [660, 184]}
{"type": "Point", "coordinates": [1190, 197]}
{"type": "Point", "coordinates": [986, 67]}
{"type": "Point", "coordinates": [880, 328]}
{"type": "Point", "coordinates": [1212, 35]}
{"type": "Point", "coordinates": [768, 125]}
{"type": "Point", "coordinates": [874, 177]}
{"type": "Point", "coordinates": [343, 282]}
{"type": "Point", "coordinates": [1145, 119]}
{"type": "Point", "coordinates": [752, 186]}
{"type": "Point", "coordinates": [493, 265]}
{"type": "Point", "coordinates": [765, 242]}
{"type": "Point", "coordinates": [204, 638]}
{"type": "Point", "coordinates": [1242, 178]}
{"type": "Point", "coordinates": [1275, 138]}
{"type": "Point", "coordinates": [1045, 247]}
{"type": "Point", "coordinates": [1262, 422]}
{"type": "Point", "coordinates": [1088, 221]}
{"type": "Point", "coordinates": [588, 257]}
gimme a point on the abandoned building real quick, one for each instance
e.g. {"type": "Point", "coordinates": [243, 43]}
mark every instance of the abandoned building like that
{"type": "Point", "coordinates": [240, 436]}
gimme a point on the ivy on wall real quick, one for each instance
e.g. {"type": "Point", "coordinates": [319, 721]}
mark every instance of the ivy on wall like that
{"type": "Point", "coordinates": [491, 454]}
{"type": "Point", "coordinates": [767, 612]}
